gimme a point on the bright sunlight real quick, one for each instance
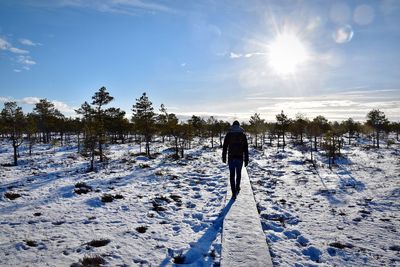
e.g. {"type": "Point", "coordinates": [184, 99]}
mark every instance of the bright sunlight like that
{"type": "Point", "coordinates": [286, 54]}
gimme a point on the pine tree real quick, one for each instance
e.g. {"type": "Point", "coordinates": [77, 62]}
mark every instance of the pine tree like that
{"type": "Point", "coordinates": [46, 113]}
{"type": "Point", "coordinates": [256, 126]}
{"type": "Point", "coordinates": [198, 125]}
{"type": "Point", "coordinates": [282, 124]}
{"type": "Point", "coordinates": [172, 128]}
{"type": "Point", "coordinates": [14, 119]}
{"type": "Point", "coordinates": [212, 128]}
{"type": "Point", "coordinates": [116, 124]}
{"type": "Point", "coordinates": [298, 127]}
{"type": "Point", "coordinates": [162, 121]}
{"type": "Point", "coordinates": [144, 119]}
{"type": "Point", "coordinates": [222, 127]}
{"type": "Point", "coordinates": [100, 99]}
{"type": "Point", "coordinates": [318, 127]}
{"type": "Point", "coordinates": [30, 130]}
{"type": "Point", "coordinates": [351, 127]}
{"type": "Point", "coordinates": [89, 130]}
{"type": "Point", "coordinates": [377, 120]}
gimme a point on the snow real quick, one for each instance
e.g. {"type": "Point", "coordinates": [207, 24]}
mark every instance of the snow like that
{"type": "Point", "coordinates": [243, 240]}
{"type": "Point", "coordinates": [316, 216]}
{"type": "Point", "coordinates": [164, 211]}
{"type": "Point", "coordinates": [167, 206]}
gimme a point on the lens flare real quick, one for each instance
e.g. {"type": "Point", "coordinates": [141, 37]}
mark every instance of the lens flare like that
{"type": "Point", "coordinates": [343, 34]}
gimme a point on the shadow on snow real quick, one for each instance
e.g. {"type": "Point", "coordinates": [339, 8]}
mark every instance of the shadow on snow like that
{"type": "Point", "coordinates": [197, 250]}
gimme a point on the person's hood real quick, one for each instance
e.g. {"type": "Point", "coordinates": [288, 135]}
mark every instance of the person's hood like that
{"type": "Point", "coordinates": [236, 129]}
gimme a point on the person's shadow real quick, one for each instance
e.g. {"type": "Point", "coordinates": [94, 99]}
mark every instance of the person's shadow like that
{"type": "Point", "coordinates": [202, 246]}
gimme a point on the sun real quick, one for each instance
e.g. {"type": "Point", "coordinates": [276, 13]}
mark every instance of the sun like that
{"type": "Point", "coordinates": [286, 54]}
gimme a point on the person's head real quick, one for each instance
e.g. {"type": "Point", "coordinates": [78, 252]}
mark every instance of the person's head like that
{"type": "Point", "coordinates": [235, 123]}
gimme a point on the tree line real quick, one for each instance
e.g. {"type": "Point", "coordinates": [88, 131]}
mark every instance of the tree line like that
{"type": "Point", "coordinates": [98, 125]}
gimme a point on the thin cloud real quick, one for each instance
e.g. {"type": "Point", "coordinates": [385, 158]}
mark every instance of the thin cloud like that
{"type": "Point", "coordinates": [141, 5]}
{"type": "Point", "coordinates": [20, 55]}
{"type": "Point", "coordinates": [234, 55]}
{"type": "Point", "coordinates": [18, 50]}
{"type": "Point", "coordinates": [26, 60]}
{"type": "Point", "coordinates": [333, 106]}
{"type": "Point", "coordinates": [127, 7]}
{"type": "Point", "coordinates": [7, 46]}
{"type": "Point", "coordinates": [28, 42]}
{"type": "Point", "coordinates": [248, 55]}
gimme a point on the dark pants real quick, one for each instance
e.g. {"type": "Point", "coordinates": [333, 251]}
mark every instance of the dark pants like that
{"type": "Point", "coordinates": [235, 166]}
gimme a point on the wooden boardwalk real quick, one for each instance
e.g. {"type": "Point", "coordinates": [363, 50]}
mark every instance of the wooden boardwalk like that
{"type": "Point", "coordinates": [243, 240]}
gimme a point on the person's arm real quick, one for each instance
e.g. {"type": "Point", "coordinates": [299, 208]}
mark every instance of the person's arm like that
{"type": "Point", "coordinates": [225, 147]}
{"type": "Point", "coordinates": [246, 151]}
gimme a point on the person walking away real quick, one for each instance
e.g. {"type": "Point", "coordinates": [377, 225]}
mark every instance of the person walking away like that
{"type": "Point", "coordinates": [235, 144]}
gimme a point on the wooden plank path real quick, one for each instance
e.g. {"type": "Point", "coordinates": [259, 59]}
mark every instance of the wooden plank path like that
{"type": "Point", "coordinates": [243, 240]}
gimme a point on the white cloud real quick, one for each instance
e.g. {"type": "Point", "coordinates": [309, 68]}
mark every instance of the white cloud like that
{"type": "Point", "coordinates": [63, 107]}
{"type": "Point", "coordinates": [338, 106]}
{"type": "Point", "coordinates": [23, 58]}
{"type": "Point", "coordinates": [248, 55]}
{"type": "Point", "coordinates": [5, 45]}
{"type": "Point", "coordinates": [18, 51]}
{"type": "Point", "coordinates": [234, 55]}
{"type": "Point", "coordinates": [30, 100]}
{"type": "Point", "coordinates": [28, 42]}
{"type": "Point", "coordinates": [26, 60]}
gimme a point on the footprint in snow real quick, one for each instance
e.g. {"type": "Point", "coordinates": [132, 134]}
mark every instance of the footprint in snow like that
{"type": "Point", "coordinates": [272, 226]}
{"type": "Point", "coordinates": [313, 253]}
{"type": "Point", "coordinates": [302, 241]}
{"type": "Point", "coordinates": [273, 238]}
{"type": "Point", "coordinates": [292, 234]}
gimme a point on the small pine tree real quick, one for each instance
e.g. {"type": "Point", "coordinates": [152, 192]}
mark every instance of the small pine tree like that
{"type": "Point", "coordinates": [144, 119]}
{"type": "Point", "coordinates": [14, 120]}
{"type": "Point", "coordinates": [100, 99]}
{"type": "Point", "coordinates": [282, 125]}
{"type": "Point", "coordinates": [212, 124]}
{"type": "Point", "coordinates": [89, 126]}
{"type": "Point", "coordinates": [256, 127]}
{"type": "Point", "coordinates": [377, 120]}
{"type": "Point", "coordinates": [298, 127]}
{"type": "Point", "coordinates": [46, 114]}
{"type": "Point", "coordinates": [31, 130]}
{"type": "Point", "coordinates": [162, 121]}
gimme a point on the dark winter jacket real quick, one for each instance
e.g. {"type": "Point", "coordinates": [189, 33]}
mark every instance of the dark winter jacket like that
{"type": "Point", "coordinates": [235, 143]}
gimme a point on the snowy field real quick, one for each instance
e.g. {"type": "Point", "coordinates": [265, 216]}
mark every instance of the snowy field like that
{"type": "Point", "coordinates": [160, 207]}
{"type": "Point", "coordinates": [347, 216]}
{"type": "Point", "coordinates": [136, 211]}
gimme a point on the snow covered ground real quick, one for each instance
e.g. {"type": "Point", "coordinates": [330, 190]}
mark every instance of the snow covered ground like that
{"type": "Point", "coordinates": [155, 211]}
{"type": "Point", "coordinates": [160, 207]}
{"type": "Point", "coordinates": [347, 216]}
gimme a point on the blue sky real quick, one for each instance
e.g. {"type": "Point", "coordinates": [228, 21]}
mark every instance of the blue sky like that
{"type": "Point", "coordinates": [229, 59]}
